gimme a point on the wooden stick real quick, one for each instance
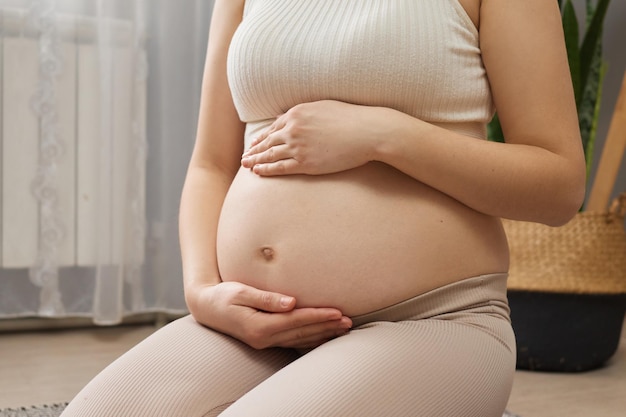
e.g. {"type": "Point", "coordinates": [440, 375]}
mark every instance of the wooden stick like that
{"type": "Point", "coordinates": [612, 154]}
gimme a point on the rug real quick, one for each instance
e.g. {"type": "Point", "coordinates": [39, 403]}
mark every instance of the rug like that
{"type": "Point", "coordinates": [53, 410]}
{"type": "Point", "coordinates": [56, 409]}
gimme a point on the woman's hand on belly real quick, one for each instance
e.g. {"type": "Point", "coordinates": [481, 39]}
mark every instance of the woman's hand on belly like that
{"type": "Point", "coordinates": [265, 319]}
{"type": "Point", "coordinates": [321, 137]}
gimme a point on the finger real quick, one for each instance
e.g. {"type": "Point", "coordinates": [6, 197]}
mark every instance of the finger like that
{"type": "Point", "coordinates": [282, 167]}
{"type": "Point", "coordinates": [309, 320]}
{"type": "Point", "coordinates": [307, 336]}
{"type": "Point", "coordinates": [259, 139]}
{"type": "Point", "coordinates": [274, 153]}
{"type": "Point", "coordinates": [274, 127]}
{"type": "Point", "coordinates": [259, 145]}
{"type": "Point", "coordinates": [267, 301]}
{"type": "Point", "coordinates": [266, 144]}
{"type": "Point", "coordinates": [301, 327]}
{"type": "Point", "coordinates": [262, 137]}
{"type": "Point", "coordinates": [264, 330]}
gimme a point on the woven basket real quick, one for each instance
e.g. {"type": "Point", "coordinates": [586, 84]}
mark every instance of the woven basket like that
{"type": "Point", "coordinates": [586, 256]}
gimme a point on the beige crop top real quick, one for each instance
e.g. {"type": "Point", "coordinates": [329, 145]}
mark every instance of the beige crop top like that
{"type": "Point", "coordinates": [420, 57]}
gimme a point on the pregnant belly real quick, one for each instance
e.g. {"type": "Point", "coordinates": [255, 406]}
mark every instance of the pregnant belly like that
{"type": "Point", "coordinates": [358, 240]}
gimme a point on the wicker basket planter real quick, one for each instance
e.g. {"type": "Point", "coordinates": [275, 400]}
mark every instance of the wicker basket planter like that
{"type": "Point", "coordinates": [566, 332]}
{"type": "Point", "coordinates": [567, 290]}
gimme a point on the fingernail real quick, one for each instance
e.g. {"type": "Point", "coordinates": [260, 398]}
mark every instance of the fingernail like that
{"type": "Point", "coordinates": [285, 301]}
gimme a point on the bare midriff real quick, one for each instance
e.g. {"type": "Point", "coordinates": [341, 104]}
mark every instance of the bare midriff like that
{"type": "Point", "coordinates": [358, 240]}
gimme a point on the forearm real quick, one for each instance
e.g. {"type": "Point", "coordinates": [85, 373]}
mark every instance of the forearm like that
{"type": "Point", "coordinates": [200, 207]}
{"type": "Point", "coordinates": [515, 181]}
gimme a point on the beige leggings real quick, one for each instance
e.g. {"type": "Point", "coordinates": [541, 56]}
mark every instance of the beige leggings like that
{"type": "Point", "coordinates": [449, 352]}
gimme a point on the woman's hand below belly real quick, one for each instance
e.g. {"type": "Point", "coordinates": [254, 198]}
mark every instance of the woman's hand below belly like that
{"type": "Point", "coordinates": [358, 241]}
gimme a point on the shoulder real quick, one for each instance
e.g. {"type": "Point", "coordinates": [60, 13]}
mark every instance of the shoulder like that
{"type": "Point", "coordinates": [232, 8]}
{"type": "Point", "coordinates": [237, 4]}
{"type": "Point", "coordinates": [227, 14]}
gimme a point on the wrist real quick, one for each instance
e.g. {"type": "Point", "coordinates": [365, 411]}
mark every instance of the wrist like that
{"type": "Point", "coordinates": [374, 132]}
{"type": "Point", "coordinates": [389, 137]}
{"type": "Point", "coordinates": [196, 295]}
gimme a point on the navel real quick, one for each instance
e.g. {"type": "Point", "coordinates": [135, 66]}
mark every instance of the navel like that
{"type": "Point", "coordinates": [267, 253]}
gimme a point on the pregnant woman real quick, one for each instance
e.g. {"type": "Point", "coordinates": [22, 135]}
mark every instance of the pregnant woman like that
{"type": "Point", "coordinates": [343, 253]}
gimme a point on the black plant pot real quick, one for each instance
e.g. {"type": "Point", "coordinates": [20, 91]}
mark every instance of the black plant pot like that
{"type": "Point", "coordinates": [565, 332]}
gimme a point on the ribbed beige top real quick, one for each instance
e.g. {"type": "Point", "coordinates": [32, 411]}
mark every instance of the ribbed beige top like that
{"type": "Point", "coordinates": [421, 57]}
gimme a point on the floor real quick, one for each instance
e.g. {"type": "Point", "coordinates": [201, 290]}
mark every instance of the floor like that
{"type": "Point", "coordinates": [49, 367]}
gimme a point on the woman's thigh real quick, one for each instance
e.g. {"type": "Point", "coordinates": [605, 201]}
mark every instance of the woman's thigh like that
{"type": "Point", "coordinates": [434, 367]}
{"type": "Point", "coordinates": [184, 369]}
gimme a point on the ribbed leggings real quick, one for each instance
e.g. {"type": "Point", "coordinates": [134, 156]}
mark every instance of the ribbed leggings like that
{"type": "Point", "coordinates": [447, 353]}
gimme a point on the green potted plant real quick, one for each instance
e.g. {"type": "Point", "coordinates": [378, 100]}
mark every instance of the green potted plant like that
{"type": "Point", "coordinates": [567, 289]}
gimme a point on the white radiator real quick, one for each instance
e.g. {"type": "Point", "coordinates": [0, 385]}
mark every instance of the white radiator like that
{"type": "Point", "coordinates": [100, 122]}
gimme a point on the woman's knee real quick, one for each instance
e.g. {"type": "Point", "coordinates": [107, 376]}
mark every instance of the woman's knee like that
{"type": "Point", "coordinates": [184, 369]}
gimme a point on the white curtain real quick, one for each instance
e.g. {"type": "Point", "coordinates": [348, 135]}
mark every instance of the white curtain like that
{"type": "Point", "coordinates": [98, 110]}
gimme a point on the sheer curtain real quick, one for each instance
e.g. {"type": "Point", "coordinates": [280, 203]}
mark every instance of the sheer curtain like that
{"type": "Point", "coordinates": [98, 110]}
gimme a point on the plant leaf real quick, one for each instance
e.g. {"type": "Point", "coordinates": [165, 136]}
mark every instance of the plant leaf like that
{"type": "Point", "coordinates": [590, 8]}
{"type": "Point", "coordinates": [591, 140]}
{"type": "Point", "coordinates": [494, 130]}
{"type": "Point", "coordinates": [570, 29]}
{"type": "Point", "coordinates": [591, 41]}
{"type": "Point", "coordinates": [588, 109]}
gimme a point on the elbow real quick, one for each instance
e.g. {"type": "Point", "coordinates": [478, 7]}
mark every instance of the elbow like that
{"type": "Point", "coordinates": [565, 210]}
{"type": "Point", "coordinates": [567, 202]}
{"type": "Point", "coordinates": [567, 190]}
